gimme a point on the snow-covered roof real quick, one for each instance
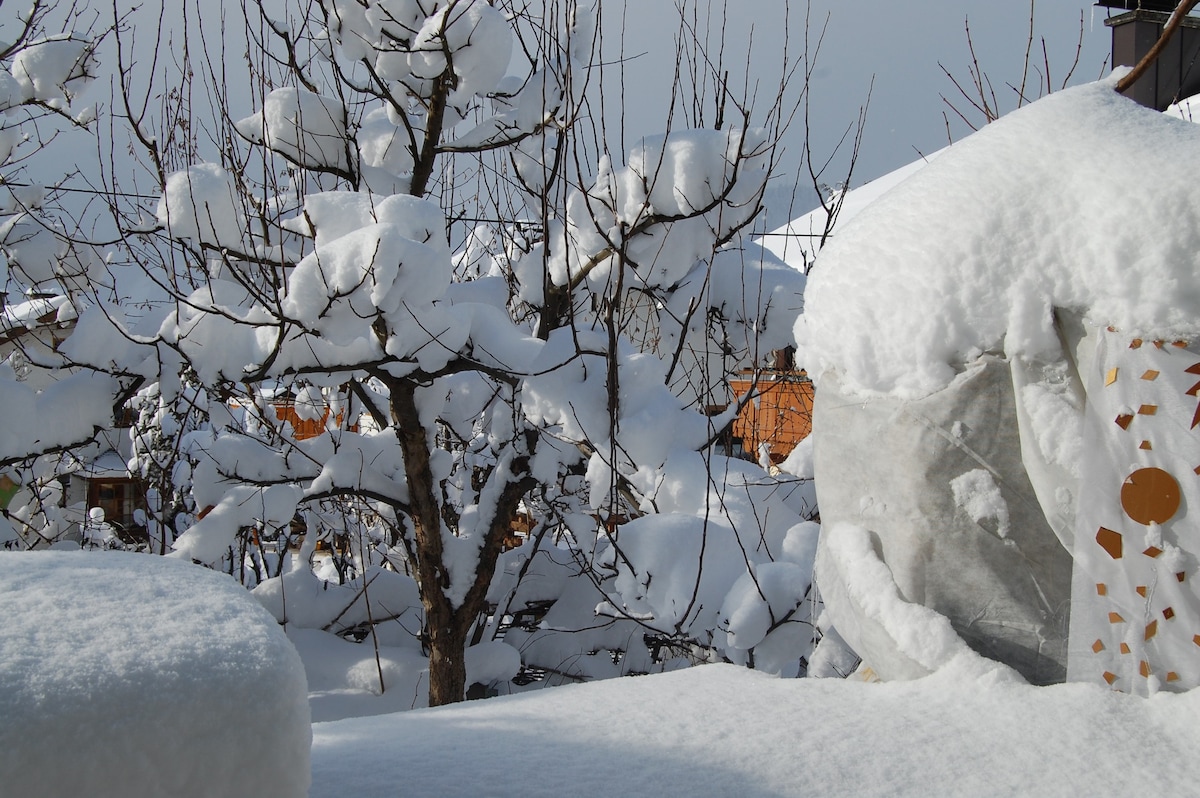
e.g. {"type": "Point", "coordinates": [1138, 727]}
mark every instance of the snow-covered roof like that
{"type": "Point", "coordinates": [28, 314]}
{"type": "Point", "coordinates": [797, 242]}
{"type": "Point", "coordinates": [109, 465]}
{"type": "Point", "coordinates": [1083, 200]}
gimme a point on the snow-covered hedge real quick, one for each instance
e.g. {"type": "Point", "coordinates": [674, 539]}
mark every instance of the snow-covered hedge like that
{"type": "Point", "coordinates": [125, 675]}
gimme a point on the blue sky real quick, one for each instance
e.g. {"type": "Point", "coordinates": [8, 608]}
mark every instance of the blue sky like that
{"type": "Point", "coordinates": [899, 44]}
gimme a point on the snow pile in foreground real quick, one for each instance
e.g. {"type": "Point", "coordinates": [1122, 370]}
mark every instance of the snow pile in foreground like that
{"type": "Point", "coordinates": [723, 730]}
{"type": "Point", "coordinates": [125, 675]}
{"type": "Point", "coordinates": [1065, 203]}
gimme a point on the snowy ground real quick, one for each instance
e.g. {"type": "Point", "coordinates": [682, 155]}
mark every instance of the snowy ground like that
{"type": "Point", "coordinates": [723, 730]}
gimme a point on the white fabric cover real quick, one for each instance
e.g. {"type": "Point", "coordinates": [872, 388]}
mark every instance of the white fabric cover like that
{"type": "Point", "coordinates": [890, 466]}
{"type": "Point", "coordinates": [1136, 597]}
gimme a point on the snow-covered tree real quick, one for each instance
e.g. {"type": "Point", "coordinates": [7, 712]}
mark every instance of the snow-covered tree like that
{"type": "Point", "coordinates": [48, 58]}
{"type": "Point", "coordinates": [417, 244]}
{"type": "Point", "coordinates": [44, 71]}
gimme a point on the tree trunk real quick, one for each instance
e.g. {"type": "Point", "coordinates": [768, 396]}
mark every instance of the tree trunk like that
{"type": "Point", "coordinates": [447, 626]}
{"type": "Point", "coordinates": [447, 668]}
{"type": "Point", "coordinates": [447, 662]}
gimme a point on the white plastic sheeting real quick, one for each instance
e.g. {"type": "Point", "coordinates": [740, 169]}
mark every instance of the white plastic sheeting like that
{"type": "Point", "coordinates": [889, 466]}
{"type": "Point", "coordinates": [1136, 599]}
{"type": "Point", "coordinates": [948, 327]}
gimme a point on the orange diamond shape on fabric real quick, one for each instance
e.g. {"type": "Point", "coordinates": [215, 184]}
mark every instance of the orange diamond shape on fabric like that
{"type": "Point", "coordinates": [1111, 542]}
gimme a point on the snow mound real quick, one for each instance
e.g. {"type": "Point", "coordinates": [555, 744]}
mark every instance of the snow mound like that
{"type": "Point", "coordinates": [1062, 204]}
{"type": "Point", "coordinates": [725, 730]}
{"type": "Point", "coordinates": [125, 674]}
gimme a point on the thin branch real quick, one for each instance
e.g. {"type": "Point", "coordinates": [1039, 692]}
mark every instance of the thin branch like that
{"type": "Point", "coordinates": [1173, 24]}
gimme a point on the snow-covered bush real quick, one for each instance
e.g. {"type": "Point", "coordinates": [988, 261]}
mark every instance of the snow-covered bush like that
{"type": "Point", "coordinates": [330, 348]}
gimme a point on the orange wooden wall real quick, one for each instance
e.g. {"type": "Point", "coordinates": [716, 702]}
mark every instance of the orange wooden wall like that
{"type": "Point", "coordinates": [303, 429]}
{"type": "Point", "coordinates": [780, 417]}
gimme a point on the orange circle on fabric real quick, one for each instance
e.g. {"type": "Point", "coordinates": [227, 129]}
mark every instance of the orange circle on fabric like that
{"type": "Point", "coordinates": [1150, 496]}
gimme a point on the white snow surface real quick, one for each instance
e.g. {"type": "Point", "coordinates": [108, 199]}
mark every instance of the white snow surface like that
{"type": "Point", "coordinates": [798, 242]}
{"type": "Point", "coordinates": [977, 493]}
{"type": "Point", "coordinates": [201, 203]}
{"type": "Point", "coordinates": [723, 730]}
{"type": "Point", "coordinates": [124, 674]}
{"type": "Point", "coordinates": [54, 70]}
{"type": "Point", "coordinates": [1061, 204]}
{"type": "Point", "coordinates": [305, 128]}
{"type": "Point", "coordinates": [479, 38]}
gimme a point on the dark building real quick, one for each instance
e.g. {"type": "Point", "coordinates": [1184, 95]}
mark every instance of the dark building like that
{"type": "Point", "coordinates": [1176, 73]}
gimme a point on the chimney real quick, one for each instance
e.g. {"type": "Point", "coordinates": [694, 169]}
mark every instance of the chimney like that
{"type": "Point", "coordinates": [1176, 73]}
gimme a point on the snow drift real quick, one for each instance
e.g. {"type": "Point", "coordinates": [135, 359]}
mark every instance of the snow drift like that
{"type": "Point", "coordinates": [724, 730]}
{"type": "Point", "coordinates": [125, 674]}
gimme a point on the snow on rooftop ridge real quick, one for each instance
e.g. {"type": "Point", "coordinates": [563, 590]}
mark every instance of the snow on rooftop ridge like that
{"type": "Point", "coordinates": [1083, 200]}
{"type": "Point", "coordinates": [28, 314]}
{"type": "Point", "coordinates": [797, 242]}
{"type": "Point", "coordinates": [128, 674]}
